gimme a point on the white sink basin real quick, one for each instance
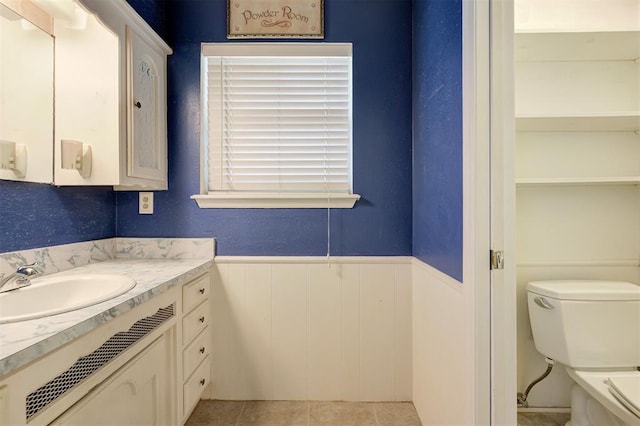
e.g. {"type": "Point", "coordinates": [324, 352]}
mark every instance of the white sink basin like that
{"type": "Point", "coordinates": [57, 294]}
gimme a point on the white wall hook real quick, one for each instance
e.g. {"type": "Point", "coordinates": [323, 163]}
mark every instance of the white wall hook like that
{"type": "Point", "coordinates": [76, 155]}
{"type": "Point", "coordinates": [13, 156]}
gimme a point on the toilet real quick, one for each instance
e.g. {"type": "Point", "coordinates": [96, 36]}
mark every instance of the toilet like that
{"type": "Point", "coordinates": [592, 328]}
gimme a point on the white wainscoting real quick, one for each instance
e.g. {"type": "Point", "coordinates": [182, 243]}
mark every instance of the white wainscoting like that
{"type": "Point", "coordinates": [443, 348]}
{"type": "Point", "coordinates": [295, 328]}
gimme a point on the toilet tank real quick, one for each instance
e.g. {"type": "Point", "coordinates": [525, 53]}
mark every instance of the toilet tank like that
{"type": "Point", "coordinates": [586, 324]}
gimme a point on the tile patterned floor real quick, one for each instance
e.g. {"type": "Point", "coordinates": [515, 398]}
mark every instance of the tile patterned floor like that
{"type": "Point", "coordinates": [543, 419]}
{"type": "Point", "coordinates": [303, 413]}
{"type": "Point", "coordinates": [312, 413]}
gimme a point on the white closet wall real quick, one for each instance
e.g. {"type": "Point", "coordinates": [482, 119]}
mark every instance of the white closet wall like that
{"type": "Point", "coordinates": [577, 156]}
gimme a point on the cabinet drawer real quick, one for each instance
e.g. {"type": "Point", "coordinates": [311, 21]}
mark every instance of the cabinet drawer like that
{"type": "Point", "coordinates": [195, 385]}
{"type": "Point", "coordinates": [196, 352]}
{"type": "Point", "coordinates": [195, 292]}
{"type": "Point", "coordinates": [195, 322]}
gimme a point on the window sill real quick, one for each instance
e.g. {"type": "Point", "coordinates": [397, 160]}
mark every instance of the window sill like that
{"type": "Point", "coordinates": [257, 200]}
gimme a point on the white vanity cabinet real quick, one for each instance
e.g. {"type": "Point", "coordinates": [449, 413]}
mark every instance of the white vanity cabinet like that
{"type": "Point", "coordinates": [148, 366]}
{"type": "Point", "coordinates": [196, 342]}
{"type": "Point", "coordinates": [111, 97]}
{"type": "Point", "coordinates": [122, 372]}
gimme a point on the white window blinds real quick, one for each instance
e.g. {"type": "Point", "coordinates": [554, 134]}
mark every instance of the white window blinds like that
{"type": "Point", "coordinates": [278, 117]}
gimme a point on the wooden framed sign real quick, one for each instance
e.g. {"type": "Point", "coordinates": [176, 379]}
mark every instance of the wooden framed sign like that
{"type": "Point", "coordinates": [275, 18]}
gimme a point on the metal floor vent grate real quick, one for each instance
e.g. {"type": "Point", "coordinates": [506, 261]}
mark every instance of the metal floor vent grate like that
{"type": "Point", "coordinates": [88, 364]}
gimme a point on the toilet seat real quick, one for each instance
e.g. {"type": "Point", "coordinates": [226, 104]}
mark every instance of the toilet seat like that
{"type": "Point", "coordinates": [595, 383]}
{"type": "Point", "coordinates": [627, 391]}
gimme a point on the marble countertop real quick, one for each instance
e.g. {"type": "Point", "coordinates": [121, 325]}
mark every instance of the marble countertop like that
{"type": "Point", "coordinates": [25, 341]}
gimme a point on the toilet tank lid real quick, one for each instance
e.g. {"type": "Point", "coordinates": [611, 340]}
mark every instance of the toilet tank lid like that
{"type": "Point", "coordinates": [585, 290]}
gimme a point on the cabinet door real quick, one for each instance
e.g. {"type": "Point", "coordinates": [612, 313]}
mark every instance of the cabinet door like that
{"type": "Point", "coordinates": [134, 395]}
{"type": "Point", "coordinates": [146, 110]}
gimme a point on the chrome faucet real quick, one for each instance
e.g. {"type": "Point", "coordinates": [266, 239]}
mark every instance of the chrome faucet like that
{"type": "Point", "coordinates": [20, 278]}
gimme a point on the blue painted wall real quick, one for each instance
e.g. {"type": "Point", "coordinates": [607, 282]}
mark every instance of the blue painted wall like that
{"type": "Point", "coordinates": [152, 11]}
{"type": "Point", "coordinates": [35, 215]}
{"type": "Point", "coordinates": [39, 215]}
{"type": "Point", "coordinates": [380, 224]}
{"type": "Point", "coordinates": [437, 134]}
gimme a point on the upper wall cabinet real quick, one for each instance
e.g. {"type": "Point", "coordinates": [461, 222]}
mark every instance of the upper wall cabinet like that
{"type": "Point", "coordinates": [110, 122]}
{"type": "Point", "coordinates": [26, 93]}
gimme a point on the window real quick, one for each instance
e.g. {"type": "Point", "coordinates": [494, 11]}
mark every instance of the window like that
{"type": "Point", "coordinates": [276, 125]}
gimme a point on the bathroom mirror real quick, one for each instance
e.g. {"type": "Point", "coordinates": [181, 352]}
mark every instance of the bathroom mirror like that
{"type": "Point", "coordinates": [26, 94]}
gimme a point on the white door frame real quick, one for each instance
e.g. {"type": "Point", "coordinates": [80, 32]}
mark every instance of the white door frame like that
{"type": "Point", "coordinates": [476, 193]}
{"type": "Point", "coordinates": [489, 200]}
{"type": "Point", "coordinates": [503, 282]}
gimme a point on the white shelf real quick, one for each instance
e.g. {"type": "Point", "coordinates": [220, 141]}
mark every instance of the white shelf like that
{"type": "Point", "coordinates": [622, 121]}
{"type": "Point", "coordinates": [577, 46]}
{"type": "Point", "coordinates": [579, 181]}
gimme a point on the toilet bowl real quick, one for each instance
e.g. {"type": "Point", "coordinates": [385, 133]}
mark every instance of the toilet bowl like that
{"type": "Point", "coordinates": [592, 328]}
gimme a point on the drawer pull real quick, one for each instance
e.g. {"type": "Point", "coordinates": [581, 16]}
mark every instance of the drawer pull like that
{"type": "Point", "coordinates": [201, 291]}
{"type": "Point", "coordinates": [202, 350]}
{"type": "Point", "coordinates": [202, 382]}
{"type": "Point", "coordinates": [201, 319]}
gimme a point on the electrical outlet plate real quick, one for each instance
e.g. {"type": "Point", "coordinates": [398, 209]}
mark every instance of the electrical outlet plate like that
{"type": "Point", "coordinates": [145, 202]}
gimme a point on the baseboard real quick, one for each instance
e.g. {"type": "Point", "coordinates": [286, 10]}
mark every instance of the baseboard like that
{"type": "Point", "coordinates": [545, 410]}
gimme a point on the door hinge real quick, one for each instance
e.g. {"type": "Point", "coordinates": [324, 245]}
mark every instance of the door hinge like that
{"type": "Point", "coordinates": [497, 259]}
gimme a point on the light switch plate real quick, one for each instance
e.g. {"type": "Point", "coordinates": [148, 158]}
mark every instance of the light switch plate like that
{"type": "Point", "coordinates": [145, 202]}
